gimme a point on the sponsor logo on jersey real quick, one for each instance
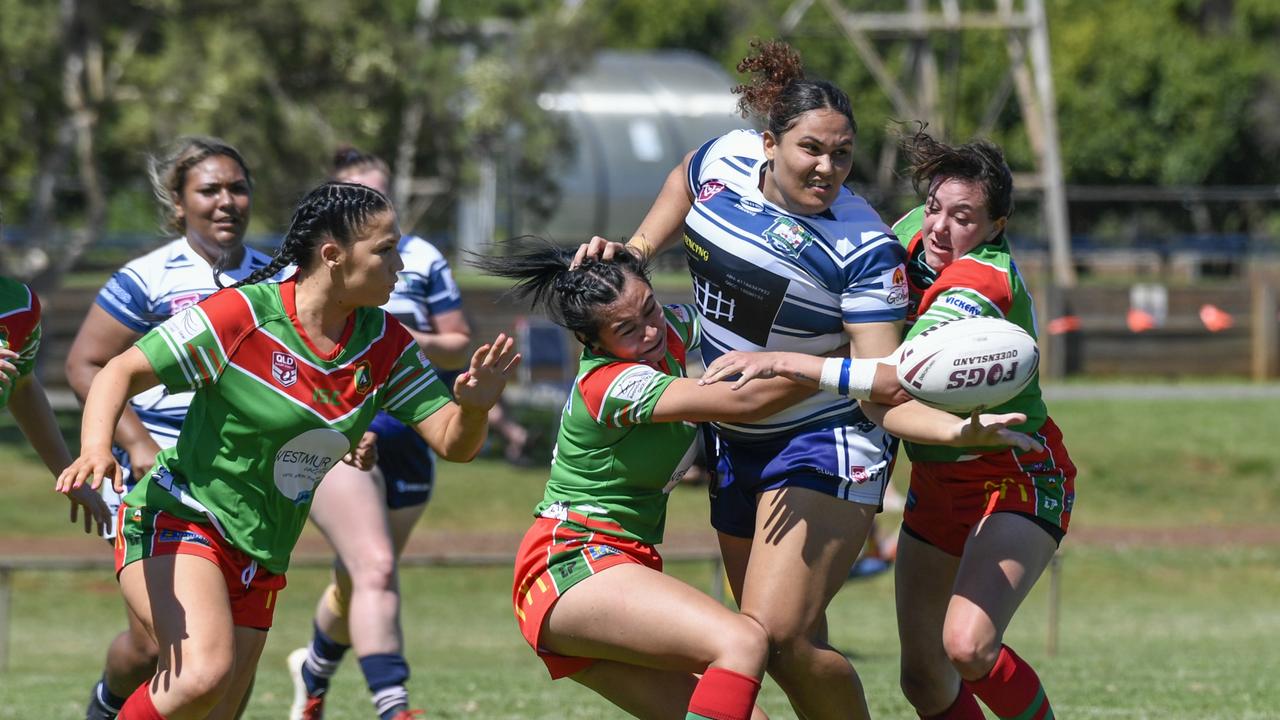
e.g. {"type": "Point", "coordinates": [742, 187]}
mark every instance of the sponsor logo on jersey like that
{"type": "Point", "coordinates": [182, 302]}
{"type": "Point", "coordinates": [601, 551]}
{"type": "Point", "coordinates": [710, 190]}
{"type": "Point", "coordinates": [750, 207]}
{"type": "Point", "coordinates": [284, 368]}
{"type": "Point", "coordinates": [788, 236]}
{"type": "Point", "coordinates": [631, 384]}
{"type": "Point", "coordinates": [896, 284]}
{"type": "Point", "coordinates": [180, 536]}
{"type": "Point", "coordinates": [859, 474]}
{"type": "Point", "coordinates": [695, 250]}
{"type": "Point", "coordinates": [962, 305]}
{"type": "Point", "coordinates": [184, 326]}
{"type": "Point", "coordinates": [363, 377]}
{"type": "Point", "coordinates": [556, 511]}
{"type": "Point", "coordinates": [303, 461]}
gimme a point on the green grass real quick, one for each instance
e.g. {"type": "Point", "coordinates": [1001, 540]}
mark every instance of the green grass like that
{"type": "Point", "coordinates": [1145, 632]}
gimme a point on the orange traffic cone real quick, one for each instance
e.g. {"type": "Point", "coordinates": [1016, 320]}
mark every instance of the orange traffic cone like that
{"type": "Point", "coordinates": [1140, 320]}
{"type": "Point", "coordinates": [1064, 324]}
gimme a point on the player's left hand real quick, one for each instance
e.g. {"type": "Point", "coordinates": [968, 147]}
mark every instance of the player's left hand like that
{"type": "Point", "coordinates": [365, 454]}
{"type": "Point", "coordinates": [747, 365]}
{"type": "Point", "coordinates": [96, 512]}
{"type": "Point", "coordinates": [8, 370]}
{"type": "Point", "coordinates": [992, 429]}
{"type": "Point", "coordinates": [491, 365]}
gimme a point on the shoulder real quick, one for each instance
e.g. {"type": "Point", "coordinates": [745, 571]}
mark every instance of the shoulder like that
{"type": "Point", "coordinates": [17, 299]}
{"type": "Point", "coordinates": [617, 380]}
{"type": "Point", "coordinates": [148, 267]}
{"type": "Point", "coordinates": [735, 154]}
{"type": "Point", "coordinates": [909, 225]}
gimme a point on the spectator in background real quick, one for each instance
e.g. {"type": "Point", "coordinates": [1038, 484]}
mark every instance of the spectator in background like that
{"type": "Point", "coordinates": [204, 191]}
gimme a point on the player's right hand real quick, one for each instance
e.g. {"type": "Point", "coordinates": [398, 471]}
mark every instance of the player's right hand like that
{"type": "Point", "coordinates": [142, 457]}
{"type": "Point", "coordinates": [92, 467]}
{"type": "Point", "coordinates": [96, 511]}
{"type": "Point", "coordinates": [598, 248]}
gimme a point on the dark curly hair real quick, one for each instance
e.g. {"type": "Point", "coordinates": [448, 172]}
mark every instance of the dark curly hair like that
{"type": "Point", "coordinates": [778, 92]}
{"type": "Point", "coordinates": [571, 297]}
{"type": "Point", "coordinates": [980, 162]}
{"type": "Point", "coordinates": [334, 210]}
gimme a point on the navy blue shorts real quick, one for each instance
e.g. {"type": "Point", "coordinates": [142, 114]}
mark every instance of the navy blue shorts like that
{"type": "Point", "coordinates": [407, 464]}
{"type": "Point", "coordinates": [850, 462]}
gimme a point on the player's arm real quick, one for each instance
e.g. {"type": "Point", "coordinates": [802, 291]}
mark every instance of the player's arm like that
{"type": "Point", "coordinates": [457, 430]}
{"type": "Point", "coordinates": [688, 400]}
{"type": "Point", "coordinates": [446, 347]}
{"type": "Point", "coordinates": [123, 377]}
{"type": "Point", "coordinates": [861, 378]}
{"type": "Point", "coordinates": [916, 422]}
{"type": "Point", "coordinates": [102, 337]}
{"type": "Point", "coordinates": [662, 226]}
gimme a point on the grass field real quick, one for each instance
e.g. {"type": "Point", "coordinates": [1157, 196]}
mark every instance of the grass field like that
{"type": "Point", "coordinates": [1146, 632]}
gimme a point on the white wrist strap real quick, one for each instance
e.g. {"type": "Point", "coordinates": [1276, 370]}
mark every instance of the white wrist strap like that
{"type": "Point", "coordinates": [851, 377]}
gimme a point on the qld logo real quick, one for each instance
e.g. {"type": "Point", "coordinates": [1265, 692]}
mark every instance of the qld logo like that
{"type": "Point", "coordinates": [284, 368]}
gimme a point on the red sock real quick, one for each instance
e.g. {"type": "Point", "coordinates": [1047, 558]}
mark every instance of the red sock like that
{"type": "Point", "coordinates": [723, 695]}
{"type": "Point", "coordinates": [964, 707]}
{"type": "Point", "coordinates": [139, 705]}
{"type": "Point", "coordinates": [1012, 689]}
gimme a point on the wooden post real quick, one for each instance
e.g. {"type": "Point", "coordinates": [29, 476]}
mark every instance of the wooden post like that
{"type": "Point", "coordinates": [1264, 341]}
{"type": "Point", "coordinates": [6, 593]}
{"type": "Point", "coordinates": [1055, 601]}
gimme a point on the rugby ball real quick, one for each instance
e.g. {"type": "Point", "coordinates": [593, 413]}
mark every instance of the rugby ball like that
{"type": "Point", "coordinates": [968, 364]}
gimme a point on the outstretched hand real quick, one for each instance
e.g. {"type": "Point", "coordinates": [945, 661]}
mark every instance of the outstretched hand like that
{"type": "Point", "coordinates": [491, 366]}
{"type": "Point", "coordinates": [748, 365]}
{"type": "Point", "coordinates": [96, 512]}
{"type": "Point", "coordinates": [92, 467]}
{"type": "Point", "coordinates": [989, 429]}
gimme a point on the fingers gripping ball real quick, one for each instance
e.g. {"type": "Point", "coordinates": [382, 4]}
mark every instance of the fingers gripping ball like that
{"type": "Point", "coordinates": [966, 364]}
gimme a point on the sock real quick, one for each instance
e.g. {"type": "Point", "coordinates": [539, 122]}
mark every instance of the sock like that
{"type": "Point", "coordinates": [106, 699]}
{"type": "Point", "coordinates": [139, 705]}
{"type": "Point", "coordinates": [1012, 689]}
{"type": "Point", "coordinates": [723, 695]}
{"type": "Point", "coordinates": [386, 674]}
{"type": "Point", "coordinates": [964, 707]}
{"type": "Point", "coordinates": [323, 657]}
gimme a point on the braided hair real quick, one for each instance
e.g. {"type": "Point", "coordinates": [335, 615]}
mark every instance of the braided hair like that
{"type": "Point", "coordinates": [571, 297]}
{"type": "Point", "coordinates": [778, 92]}
{"type": "Point", "coordinates": [333, 210]}
{"type": "Point", "coordinates": [979, 162]}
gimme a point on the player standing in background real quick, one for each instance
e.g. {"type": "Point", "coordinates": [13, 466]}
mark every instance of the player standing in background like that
{"type": "Point", "coordinates": [204, 190]}
{"type": "Point", "coordinates": [367, 515]}
{"type": "Point", "coordinates": [980, 525]}
{"type": "Point", "coordinates": [287, 377]}
{"type": "Point", "coordinates": [784, 257]}
{"type": "Point", "coordinates": [22, 393]}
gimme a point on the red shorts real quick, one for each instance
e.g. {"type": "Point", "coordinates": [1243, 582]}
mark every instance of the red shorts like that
{"type": "Point", "coordinates": [554, 557]}
{"type": "Point", "coordinates": [145, 533]}
{"type": "Point", "coordinates": [947, 499]}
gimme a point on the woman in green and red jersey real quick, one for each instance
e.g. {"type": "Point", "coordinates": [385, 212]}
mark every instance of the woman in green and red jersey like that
{"type": "Point", "coordinates": [981, 524]}
{"type": "Point", "coordinates": [287, 378]}
{"type": "Point", "coordinates": [633, 634]}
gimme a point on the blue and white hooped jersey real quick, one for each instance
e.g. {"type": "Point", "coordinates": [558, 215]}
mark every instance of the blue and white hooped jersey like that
{"type": "Point", "coordinates": [765, 278]}
{"type": "Point", "coordinates": [149, 290]}
{"type": "Point", "coordinates": [425, 286]}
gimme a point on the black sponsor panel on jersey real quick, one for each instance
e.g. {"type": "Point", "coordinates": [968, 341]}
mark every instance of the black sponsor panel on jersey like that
{"type": "Point", "coordinates": [734, 293]}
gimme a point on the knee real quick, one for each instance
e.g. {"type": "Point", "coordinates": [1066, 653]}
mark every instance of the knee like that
{"type": "Point", "coordinates": [972, 651]}
{"type": "Point", "coordinates": [375, 572]}
{"type": "Point", "coordinates": [200, 683]}
{"type": "Point", "coordinates": [742, 646]}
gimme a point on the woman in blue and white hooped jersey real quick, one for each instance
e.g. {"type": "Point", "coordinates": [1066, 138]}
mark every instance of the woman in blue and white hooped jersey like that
{"type": "Point", "coordinates": [784, 257]}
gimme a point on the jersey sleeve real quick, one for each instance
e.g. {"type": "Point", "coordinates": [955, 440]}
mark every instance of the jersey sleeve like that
{"type": "Point", "coordinates": [190, 350]}
{"type": "Point", "coordinates": [968, 288]}
{"type": "Point", "coordinates": [876, 283]}
{"type": "Point", "coordinates": [908, 225]}
{"type": "Point", "coordinates": [442, 292]}
{"type": "Point", "coordinates": [623, 393]}
{"type": "Point", "coordinates": [29, 346]}
{"type": "Point", "coordinates": [683, 318]}
{"type": "Point", "coordinates": [125, 298]}
{"type": "Point", "coordinates": [414, 391]}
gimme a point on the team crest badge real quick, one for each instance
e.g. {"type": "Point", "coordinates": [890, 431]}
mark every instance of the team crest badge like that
{"type": "Point", "coordinates": [788, 236]}
{"type": "Point", "coordinates": [363, 377]}
{"type": "Point", "coordinates": [284, 368]}
{"type": "Point", "coordinates": [709, 190]}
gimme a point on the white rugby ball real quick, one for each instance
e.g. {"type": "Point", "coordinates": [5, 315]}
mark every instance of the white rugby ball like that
{"type": "Point", "coordinates": [967, 364]}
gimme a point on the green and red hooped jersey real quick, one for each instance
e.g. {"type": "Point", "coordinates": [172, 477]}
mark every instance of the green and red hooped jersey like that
{"type": "Point", "coordinates": [983, 282]}
{"type": "Point", "coordinates": [19, 328]}
{"type": "Point", "coordinates": [613, 466]}
{"type": "Point", "coordinates": [271, 414]}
